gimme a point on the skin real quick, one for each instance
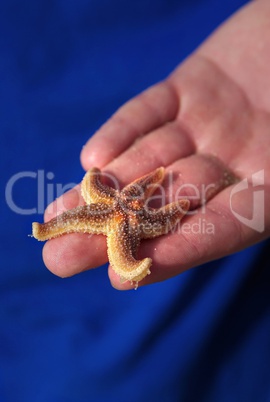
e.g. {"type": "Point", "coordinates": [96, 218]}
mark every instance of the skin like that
{"type": "Point", "coordinates": [212, 116]}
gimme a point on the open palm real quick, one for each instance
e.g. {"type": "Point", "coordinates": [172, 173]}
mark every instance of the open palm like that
{"type": "Point", "coordinates": [209, 127]}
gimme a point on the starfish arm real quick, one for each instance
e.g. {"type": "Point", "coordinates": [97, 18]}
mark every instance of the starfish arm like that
{"type": "Point", "coordinates": [123, 242]}
{"type": "Point", "coordinates": [92, 218]}
{"type": "Point", "coordinates": [93, 191]}
{"type": "Point", "coordinates": [157, 222]}
{"type": "Point", "coordinates": [143, 187]}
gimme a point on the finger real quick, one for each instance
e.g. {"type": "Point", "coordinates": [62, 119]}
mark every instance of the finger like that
{"type": "Point", "coordinates": [213, 232]}
{"type": "Point", "coordinates": [198, 178]}
{"type": "Point", "coordinates": [73, 253]}
{"type": "Point", "coordinates": [68, 200]}
{"type": "Point", "coordinates": [144, 113]}
{"type": "Point", "coordinates": [161, 147]}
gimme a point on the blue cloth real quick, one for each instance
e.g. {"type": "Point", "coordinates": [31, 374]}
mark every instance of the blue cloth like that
{"type": "Point", "coordinates": [203, 336]}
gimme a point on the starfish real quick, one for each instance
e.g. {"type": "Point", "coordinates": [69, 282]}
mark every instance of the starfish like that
{"type": "Point", "coordinates": [123, 216]}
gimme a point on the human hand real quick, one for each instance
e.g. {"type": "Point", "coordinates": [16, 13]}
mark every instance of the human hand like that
{"type": "Point", "coordinates": [203, 126]}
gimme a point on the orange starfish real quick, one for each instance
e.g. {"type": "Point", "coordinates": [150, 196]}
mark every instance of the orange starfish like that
{"type": "Point", "coordinates": [122, 216]}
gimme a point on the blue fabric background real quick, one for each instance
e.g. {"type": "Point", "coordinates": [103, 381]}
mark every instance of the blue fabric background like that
{"type": "Point", "coordinates": [65, 67]}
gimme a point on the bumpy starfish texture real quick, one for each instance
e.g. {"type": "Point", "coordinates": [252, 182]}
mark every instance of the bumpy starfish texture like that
{"type": "Point", "coordinates": [123, 216]}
